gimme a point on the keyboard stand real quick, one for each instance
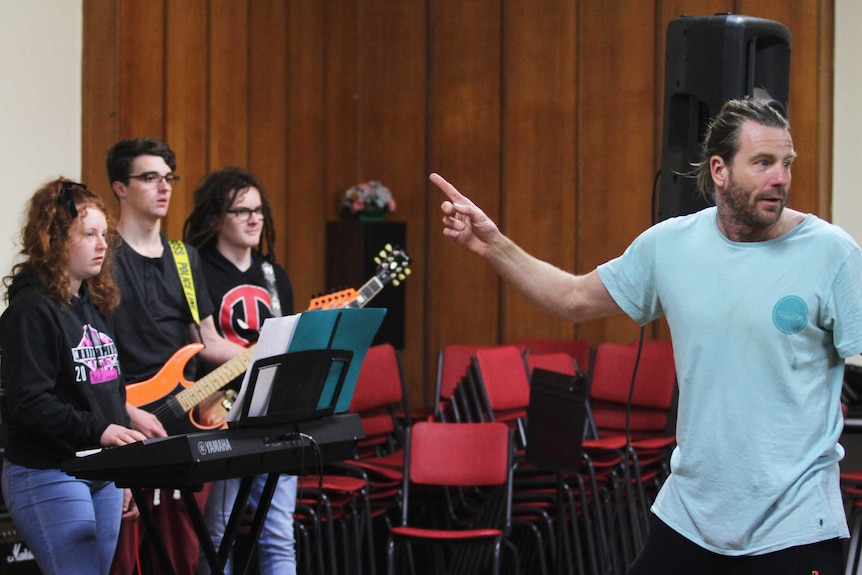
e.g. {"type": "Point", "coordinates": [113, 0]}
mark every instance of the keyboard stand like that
{"type": "Point", "coordinates": [215, 560]}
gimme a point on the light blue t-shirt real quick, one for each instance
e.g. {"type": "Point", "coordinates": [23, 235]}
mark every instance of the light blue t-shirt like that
{"type": "Point", "coordinates": [759, 334]}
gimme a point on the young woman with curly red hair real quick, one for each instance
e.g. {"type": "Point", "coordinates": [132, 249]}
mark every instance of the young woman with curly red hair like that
{"type": "Point", "coordinates": [64, 390]}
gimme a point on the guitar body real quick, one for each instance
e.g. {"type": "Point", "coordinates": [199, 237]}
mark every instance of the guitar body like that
{"type": "Point", "coordinates": [175, 420]}
{"type": "Point", "coordinates": [158, 394]}
{"type": "Point", "coordinates": [166, 380]}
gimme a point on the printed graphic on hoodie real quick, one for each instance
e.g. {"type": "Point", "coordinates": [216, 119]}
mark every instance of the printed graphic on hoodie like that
{"type": "Point", "coordinates": [96, 354]}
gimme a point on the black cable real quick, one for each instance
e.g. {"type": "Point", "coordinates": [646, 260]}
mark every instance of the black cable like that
{"type": "Point", "coordinates": [632, 389]}
{"type": "Point", "coordinates": [627, 452]}
{"type": "Point", "coordinates": [628, 447]}
{"type": "Point", "coordinates": [318, 464]}
{"type": "Point", "coordinates": [655, 198]}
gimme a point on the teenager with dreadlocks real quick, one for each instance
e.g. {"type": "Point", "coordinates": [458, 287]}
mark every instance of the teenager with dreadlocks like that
{"type": "Point", "coordinates": [231, 225]}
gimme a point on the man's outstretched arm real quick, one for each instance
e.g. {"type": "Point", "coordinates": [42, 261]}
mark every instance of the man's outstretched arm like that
{"type": "Point", "coordinates": [568, 296]}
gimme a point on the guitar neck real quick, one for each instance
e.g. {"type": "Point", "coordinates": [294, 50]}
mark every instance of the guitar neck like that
{"type": "Point", "coordinates": [370, 289]}
{"type": "Point", "coordinates": [215, 380]}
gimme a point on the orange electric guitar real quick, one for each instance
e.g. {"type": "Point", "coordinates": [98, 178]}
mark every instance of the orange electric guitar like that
{"type": "Point", "coordinates": [173, 399]}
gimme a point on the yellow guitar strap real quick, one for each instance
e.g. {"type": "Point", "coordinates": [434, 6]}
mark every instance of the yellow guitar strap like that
{"type": "Point", "coordinates": [181, 259]}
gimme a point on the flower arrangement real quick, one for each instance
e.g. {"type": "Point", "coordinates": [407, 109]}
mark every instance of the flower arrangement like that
{"type": "Point", "coordinates": [368, 198]}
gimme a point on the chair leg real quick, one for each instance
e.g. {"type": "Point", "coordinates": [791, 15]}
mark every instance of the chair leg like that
{"type": "Point", "coordinates": [495, 565]}
{"type": "Point", "coordinates": [616, 544]}
{"type": "Point", "coordinates": [353, 533]}
{"type": "Point", "coordinates": [637, 501]}
{"type": "Point", "coordinates": [601, 513]}
{"type": "Point", "coordinates": [398, 554]}
{"type": "Point", "coordinates": [538, 543]}
{"type": "Point", "coordinates": [366, 526]}
{"type": "Point", "coordinates": [312, 542]}
{"type": "Point", "coordinates": [327, 534]}
{"type": "Point", "coordinates": [575, 562]}
{"type": "Point", "coordinates": [622, 511]}
{"type": "Point", "coordinates": [589, 537]}
{"type": "Point", "coordinates": [390, 556]}
{"type": "Point", "coordinates": [303, 549]}
{"type": "Point", "coordinates": [347, 560]}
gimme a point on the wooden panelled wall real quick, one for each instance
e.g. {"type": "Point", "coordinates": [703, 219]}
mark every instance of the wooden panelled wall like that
{"type": "Point", "coordinates": [546, 112]}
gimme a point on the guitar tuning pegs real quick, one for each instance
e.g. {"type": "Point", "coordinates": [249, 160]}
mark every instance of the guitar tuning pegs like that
{"type": "Point", "coordinates": [395, 282]}
{"type": "Point", "coordinates": [377, 260]}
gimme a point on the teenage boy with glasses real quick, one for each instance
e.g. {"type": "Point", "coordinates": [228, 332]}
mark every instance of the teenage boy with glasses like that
{"type": "Point", "coordinates": [155, 318]}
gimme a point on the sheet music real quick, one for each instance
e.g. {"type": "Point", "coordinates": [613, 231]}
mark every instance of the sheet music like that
{"type": "Point", "coordinates": [275, 337]}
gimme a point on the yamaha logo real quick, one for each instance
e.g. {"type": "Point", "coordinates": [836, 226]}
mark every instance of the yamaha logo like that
{"type": "Point", "coordinates": [214, 446]}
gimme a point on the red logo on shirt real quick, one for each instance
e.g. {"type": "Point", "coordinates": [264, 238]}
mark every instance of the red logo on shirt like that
{"type": "Point", "coordinates": [242, 312]}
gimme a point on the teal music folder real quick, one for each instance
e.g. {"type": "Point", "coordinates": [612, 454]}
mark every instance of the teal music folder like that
{"type": "Point", "coordinates": [350, 329]}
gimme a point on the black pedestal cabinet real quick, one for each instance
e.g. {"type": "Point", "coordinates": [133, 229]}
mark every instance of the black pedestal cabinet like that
{"type": "Point", "coordinates": [350, 250]}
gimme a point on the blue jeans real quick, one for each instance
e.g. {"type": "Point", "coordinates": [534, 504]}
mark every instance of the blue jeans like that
{"type": "Point", "coordinates": [71, 525]}
{"type": "Point", "coordinates": [276, 550]}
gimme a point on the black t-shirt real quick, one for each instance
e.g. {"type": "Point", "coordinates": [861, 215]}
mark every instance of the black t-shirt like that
{"type": "Point", "coordinates": [241, 298]}
{"type": "Point", "coordinates": [152, 321]}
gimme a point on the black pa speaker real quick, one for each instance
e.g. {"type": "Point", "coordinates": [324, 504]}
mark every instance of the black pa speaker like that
{"type": "Point", "coordinates": [708, 61]}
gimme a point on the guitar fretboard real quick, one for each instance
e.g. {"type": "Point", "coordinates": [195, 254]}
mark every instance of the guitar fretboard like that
{"type": "Point", "coordinates": [371, 288]}
{"type": "Point", "coordinates": [214, 380]}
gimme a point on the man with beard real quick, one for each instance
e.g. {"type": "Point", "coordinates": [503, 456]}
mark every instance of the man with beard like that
{"type": "Point", "coordinates": [764, 303]}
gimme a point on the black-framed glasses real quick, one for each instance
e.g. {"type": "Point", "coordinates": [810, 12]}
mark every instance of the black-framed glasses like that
{"type": "Point", "coordinates": [64, 197]}
{"type": "Point", "coordinates": [155, 178]}
{"type": "Point", "coordinates": [244, 214]}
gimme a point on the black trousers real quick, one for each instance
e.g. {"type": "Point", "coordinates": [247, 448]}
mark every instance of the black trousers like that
{"type": "Point", "coordinates": [666, 552]}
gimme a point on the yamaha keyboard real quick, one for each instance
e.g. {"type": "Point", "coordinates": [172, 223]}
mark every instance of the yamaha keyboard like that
{"type": "Point", "coordinates": [196, 458]}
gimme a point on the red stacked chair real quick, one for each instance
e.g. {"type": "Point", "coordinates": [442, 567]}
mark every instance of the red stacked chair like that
{"type": "Point", "coordinates": [501, 377]}
{"type": "Point", "coordinates": [646, 412]}
{"type": "Point", "coordinates": [453, 366]}
{"type": "Point", "coordinates": [358, 491]}
{"type": "Point", "coordinates": [579, 350]}
{"type": "Point", "coordinates": [603, 460]}
{"type": "Point", "coordinates": [470, 456]}
{"type": "Point", "coordinates": [379, 396]}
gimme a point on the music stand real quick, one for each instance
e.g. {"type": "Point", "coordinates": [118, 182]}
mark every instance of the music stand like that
{"type": "Point", "coordinates": [294, 386]}
{"type": "Point", "coordinates": [556, 416]}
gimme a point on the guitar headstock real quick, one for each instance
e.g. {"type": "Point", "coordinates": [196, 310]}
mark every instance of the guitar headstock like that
{"type": "Point", "coordinates": [392, 265]}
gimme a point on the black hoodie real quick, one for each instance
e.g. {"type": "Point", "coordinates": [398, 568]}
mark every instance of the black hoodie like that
{"type": "Point", "coordinates": [60, 374]}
